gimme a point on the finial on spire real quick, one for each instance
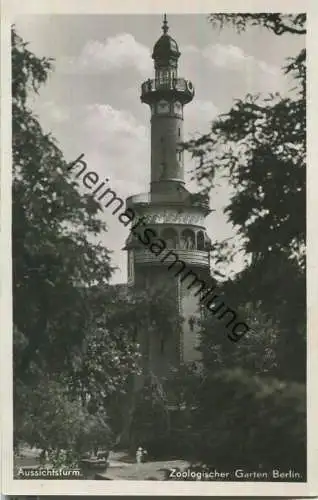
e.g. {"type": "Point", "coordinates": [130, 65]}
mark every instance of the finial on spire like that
{"type": "Point", "coordinates": [165, 26]}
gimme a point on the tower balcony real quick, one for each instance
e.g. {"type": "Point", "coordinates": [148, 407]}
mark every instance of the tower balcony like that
{"type": "Point", "coordinates": [147, 199]}
{"type": "Point", "coordinates": [178, 260]}
{"type": "Point", "coordinates": [154, 89]}
{"type": "Point", "coordinates": [178, 198]}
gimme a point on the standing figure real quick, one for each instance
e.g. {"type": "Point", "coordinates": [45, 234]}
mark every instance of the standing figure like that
{"type": "Point", "coordinates": [139, 454]}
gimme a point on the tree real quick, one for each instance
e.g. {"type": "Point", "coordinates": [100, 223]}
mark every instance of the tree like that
{"type": "Point", "coordinates": [250, 403]}
{"type": "Point", "coordinates": [259, 147]}
{"type": "Point", "coordinates": [54, 261]}
{"type": "Point", "coordinates": [50, 418]}
{"type": "Point", "coordinates": [249, 421]}
{"type": "Point", "coordinates": [255, 352]}
{"type": "Point", "coordinates": [67, 351]}
{"type": "Point", "coordinates": [279, 24]}
{"type": "Point", "coordinates": [262, 295]}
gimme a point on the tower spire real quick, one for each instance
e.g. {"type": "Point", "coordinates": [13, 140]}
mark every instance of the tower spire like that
{"type": "Point", "coordinates": [165, 26]}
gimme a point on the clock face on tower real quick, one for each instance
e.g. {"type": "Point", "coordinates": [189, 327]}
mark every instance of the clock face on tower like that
{"type": "Point", "coordinates": [163, 107]}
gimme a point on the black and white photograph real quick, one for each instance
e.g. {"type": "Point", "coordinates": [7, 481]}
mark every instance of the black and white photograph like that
{"type": "Point", "coordinates": [158, 239]}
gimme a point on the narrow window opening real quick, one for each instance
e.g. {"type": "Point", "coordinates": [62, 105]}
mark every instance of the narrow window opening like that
{"type": "Point", "coordinates": [162, 346]}
{"type": "Point", "coordinates": [135, 335]}
{"type": "Point", "coordinates": [191, 323]}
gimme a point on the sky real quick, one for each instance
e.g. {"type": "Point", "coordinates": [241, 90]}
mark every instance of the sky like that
{"type": "Point", "coordinates": [91, 102]}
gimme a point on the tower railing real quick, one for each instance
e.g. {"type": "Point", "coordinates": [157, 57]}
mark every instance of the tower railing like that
{"type": "Point", "coordinates": [191, 258]}
{"type": "Point", "coordinates": [180, 87]}
{"type": "Point", "coordinates": [183, 198]}
{"type": "Point", "coordinates": [149, 198]}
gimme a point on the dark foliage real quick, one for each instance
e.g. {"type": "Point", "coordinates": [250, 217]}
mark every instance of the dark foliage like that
{"type": "Point", "coordinates": [250, 422]}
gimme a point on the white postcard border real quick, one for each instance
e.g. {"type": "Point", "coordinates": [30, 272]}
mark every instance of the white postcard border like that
{"type": "Point", "coordinates": [11, 8]}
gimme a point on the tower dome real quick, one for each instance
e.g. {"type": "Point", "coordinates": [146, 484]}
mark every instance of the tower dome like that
{"type": "Point", "coordinates": [166, 48]}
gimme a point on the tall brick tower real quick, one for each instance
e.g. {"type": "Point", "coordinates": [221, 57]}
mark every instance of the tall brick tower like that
{"type": "Point", "coordinates": [171, 211]}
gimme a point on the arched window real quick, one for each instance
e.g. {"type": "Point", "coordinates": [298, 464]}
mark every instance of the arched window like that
{"type": "Point", "coordinates": [187, 239]}
{"type": "Point", "coordinates": [207, 243]}
{"type": "Point", "coordinates": [200, 240]}
{"type": "Point", "coordinates": [164, 76]}
{"type": "Point", "coordinates": [170, 237]}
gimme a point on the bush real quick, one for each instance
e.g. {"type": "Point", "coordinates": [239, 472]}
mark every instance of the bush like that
{"type": "Point", "coordinates": [251, 422]}
{"type": "Point", "coordinates": [59, 423]}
